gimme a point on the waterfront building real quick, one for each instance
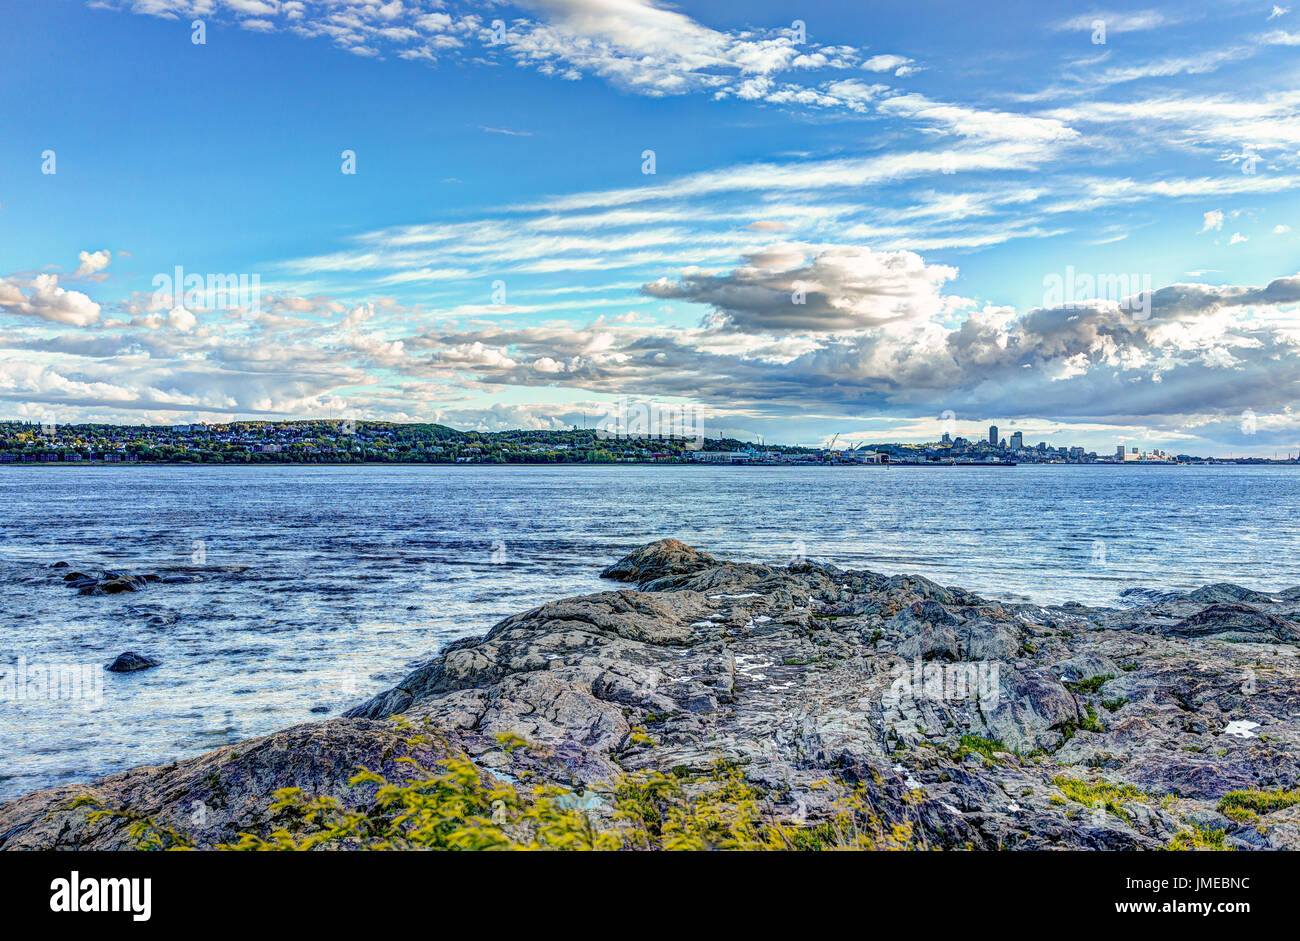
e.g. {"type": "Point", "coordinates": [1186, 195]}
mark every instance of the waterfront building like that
{"type": "Point", "coordinates": [719, 457]}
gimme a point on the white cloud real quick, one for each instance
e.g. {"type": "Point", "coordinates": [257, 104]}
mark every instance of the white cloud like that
{"type": "Point", "coordinates": [637, 45]}
{"type": "Point", "coordinates": [1128, 22]}
{"type": "Point", "coordinates": [1213, 221]}
{"type": "Point", "coordinates": [46, 300]}
{"type": "Point", "coordinates": [91, 263]}
{"type": "Point", "coordinates": [886, 63]}
{"type": "Point", "coordinates": [790, 288]}
{"type": "Point", "coordinates": [178, 318]}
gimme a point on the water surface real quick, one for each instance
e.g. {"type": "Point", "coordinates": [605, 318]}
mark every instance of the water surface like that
{"type": "Point", "coordinates": [323, 585]}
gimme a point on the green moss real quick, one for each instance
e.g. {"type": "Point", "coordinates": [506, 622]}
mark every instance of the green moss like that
{"type": "Point", "coordinates": [216, 790]}
{"type": "Point", "coordinates": [1114, 705]}
{"type": "Point", "coordinates": [1247, 805]}
{"type": "Point", "coordinates": [973, 744]}
{"type": "Point", "coordinates": [1199, 838]}
{"type": "Point", "coordinates": [456, 805]}
{"type": "Point", "coordinates": [1089, 685]}
{"type": "Point", "coordinates": [1089, 723]}
{"type": "Point", "coordinates": [1113, 797]}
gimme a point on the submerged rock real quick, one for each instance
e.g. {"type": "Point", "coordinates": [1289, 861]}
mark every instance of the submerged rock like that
{"type": "Point", "coordinates": [130, 661]}
{"type": "Point", "coordinates": [111, 584]}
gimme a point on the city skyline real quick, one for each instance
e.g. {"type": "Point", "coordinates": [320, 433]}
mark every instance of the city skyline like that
{"type": "Point", "coordinates": [101, 441]}
{"type": "Point", "coordinates": [509, 217]}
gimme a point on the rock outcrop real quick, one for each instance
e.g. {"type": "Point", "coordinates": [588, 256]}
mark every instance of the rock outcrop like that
{"type": "Point", "coordinates": [970, 722]}
{"type": "Point", "coordinates": [131, 661]}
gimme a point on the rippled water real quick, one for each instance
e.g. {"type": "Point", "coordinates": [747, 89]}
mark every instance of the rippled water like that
{"type": "Point", "coordinates": [323, 585]}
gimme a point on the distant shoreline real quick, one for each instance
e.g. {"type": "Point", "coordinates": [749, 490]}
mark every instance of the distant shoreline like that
{"type": "Point", "coordinates": [570, 464]}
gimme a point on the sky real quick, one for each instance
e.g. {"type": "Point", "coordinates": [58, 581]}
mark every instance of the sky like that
{"type": "Point", "coordinates": [789, 220]}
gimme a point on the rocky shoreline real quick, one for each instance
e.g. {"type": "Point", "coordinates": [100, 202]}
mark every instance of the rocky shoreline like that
{"type": "Point", "coordinates": [955, 721]}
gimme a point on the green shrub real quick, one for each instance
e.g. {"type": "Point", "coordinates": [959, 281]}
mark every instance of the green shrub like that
{"type": "Point", "coordinates": [974, 744]}
{"type": "Point", "coordinates": [1199, 838]}
{"type": "Point", "coordinates": [459, 806]}
{"type": "Point", "coordinates": [1245, 806]}
{"type": "Point", "coordinates": [1113, 797]}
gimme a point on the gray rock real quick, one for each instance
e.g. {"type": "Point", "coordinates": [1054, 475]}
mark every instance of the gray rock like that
{"type": "Point", "coordinates": [1237, 621]}
{"type": "Point", "coordinates": [665, 557]}
{"type": "Point", "coordinates": [110, 584]}
{"type": "Point", "coordinates": [1085, 667]}
{"type": "Point", "coordinates": [820, 684]}
{"type": "Point", "coordinates": [1226, 592]}
{"type": "Point", "coordinates": [1031, 709]}
{"type": "Point", "coordinates": [130, 661]}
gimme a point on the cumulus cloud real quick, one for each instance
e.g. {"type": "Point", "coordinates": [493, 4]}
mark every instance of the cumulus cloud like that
{"type": "Point", "coordinates": [91, 263]}
{"type": "Point", "coordinates": [877, 335]}
{"type": "Point", "coordinates": [44, 298]}
{"type": "Point", "coordinates": [899, 65]}
{"type": "Point", "coordinates": [178, 318]}
{"type": "Point", "coordinates": [1212, 221]}
{"type": "Point", "coordinates": [793, 288]}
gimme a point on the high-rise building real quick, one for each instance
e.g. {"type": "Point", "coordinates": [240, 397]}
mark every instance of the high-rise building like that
{"type": "Point", "coordinates": [1119, 452]}
{"type": "Point", "coordinates": [993, 435]}
{"type": "Point", "coordinates": [1017, 441]}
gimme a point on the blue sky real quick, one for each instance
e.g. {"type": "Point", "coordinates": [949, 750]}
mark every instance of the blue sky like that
{"type": "Point", "coordinates": [853, 226]}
